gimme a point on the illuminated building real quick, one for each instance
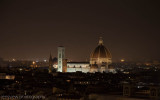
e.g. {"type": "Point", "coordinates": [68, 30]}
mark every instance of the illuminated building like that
{"type": "Point", "coordinates": [100, 58]}
{"type": "Point", "coordinates": [7, 77]}
{"type": "Point", "coordinates": [78, 66]}
{"type": "Point", "coordinates": [61, 56]}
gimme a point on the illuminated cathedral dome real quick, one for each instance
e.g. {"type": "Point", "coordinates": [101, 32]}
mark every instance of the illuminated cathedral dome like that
{"type": "Point", "coordinates": [101, 56]}
{"type": "Point", "coordinates": [101, 52]}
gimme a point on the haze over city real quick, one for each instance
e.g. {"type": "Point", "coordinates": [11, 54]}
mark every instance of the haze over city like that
{"type": "Point", "coordinates": [31, 29]}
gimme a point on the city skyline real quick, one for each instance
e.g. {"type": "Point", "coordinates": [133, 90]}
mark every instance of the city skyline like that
{"type": "Point", "coordinates": [33, 29]}
{"type": "Point", "coordinates": [79, 50]}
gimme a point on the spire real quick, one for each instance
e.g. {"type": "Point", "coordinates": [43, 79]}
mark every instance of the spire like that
{"type": "Point", "coordinates": [50, 64]}
{"type": "Point", "coordinates": [100, 41]}
{"type": "Point", "coordinates": [50, 58]}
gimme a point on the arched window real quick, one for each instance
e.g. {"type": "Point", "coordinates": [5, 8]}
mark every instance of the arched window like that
{"type": "Point", "coordinates": [153, 92]}
{"type": "Point", "coordinates": [126, 90]}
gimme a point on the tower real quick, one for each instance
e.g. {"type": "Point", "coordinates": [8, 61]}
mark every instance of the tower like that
{"type": "Point", "coordinates": [61, 56]}
{"type": "Point", "coordinates": [50, 63]}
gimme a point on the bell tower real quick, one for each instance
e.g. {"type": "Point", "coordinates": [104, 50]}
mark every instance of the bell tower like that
{"type": "Point", "coordinates": [61, 56]}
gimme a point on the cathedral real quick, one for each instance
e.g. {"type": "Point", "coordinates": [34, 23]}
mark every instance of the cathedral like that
{"type": "Point", "coordinates": [100, 58]}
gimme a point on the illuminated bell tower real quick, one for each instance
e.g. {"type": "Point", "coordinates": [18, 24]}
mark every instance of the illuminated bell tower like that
{"type": "Point", "coordinates": [61, 56]}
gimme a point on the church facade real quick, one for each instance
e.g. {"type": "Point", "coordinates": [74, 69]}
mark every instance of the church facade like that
{"type": "Point", "coordinates": [100, 58]}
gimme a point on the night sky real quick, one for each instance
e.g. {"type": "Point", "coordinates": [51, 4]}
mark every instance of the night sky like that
{"type": "Point", "coordinates": [31, 29]}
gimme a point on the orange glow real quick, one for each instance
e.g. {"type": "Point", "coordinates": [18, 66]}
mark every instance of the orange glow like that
{"type": "Point", "coordinates": [33, 62]}
{"type": "Point", "coordinates": [122, 60]}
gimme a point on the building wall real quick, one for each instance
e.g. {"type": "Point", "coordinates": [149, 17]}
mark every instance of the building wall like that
{"type": "Point", "coordinates": [99, 61]}
{"type": "Point", "coordinates": [64, 65]}
{"type": "Point", "coordinates": [77, 65]}
{"type": "Point", "coordinates": [84, 70]}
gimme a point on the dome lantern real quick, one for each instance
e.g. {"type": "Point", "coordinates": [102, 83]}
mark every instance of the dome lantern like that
{"type": "Point", "coordinates": [100, 41]}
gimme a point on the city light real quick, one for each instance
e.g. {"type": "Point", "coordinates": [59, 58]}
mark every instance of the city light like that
{"type": "Point", "coordinates": [33, 62]}
{"type": "Point", "coordinates": [122, 60]}
{"type": "Point", "coordinates": [13, 59]}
